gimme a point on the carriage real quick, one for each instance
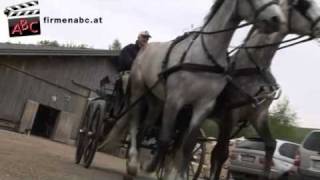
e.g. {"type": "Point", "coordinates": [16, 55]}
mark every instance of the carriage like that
{"type": "Point", "coordinates": [102, 114]}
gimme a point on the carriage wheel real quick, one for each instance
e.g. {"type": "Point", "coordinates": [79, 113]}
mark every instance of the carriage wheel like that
{"type": "Point", "coordinates": [197, 161]}
{"type": "Point", "coordinates": [160, 173]}
{"type": "Point", "coordinates": [198, 157]}
{"type": "Point", "coordinates": [92, 137]}
{"type": "Point", "coordinates": [80, 140]}
{"type": "Point", "coordinates": [195, 166]}
{"type": "Point", "coordinates": [113, 110]}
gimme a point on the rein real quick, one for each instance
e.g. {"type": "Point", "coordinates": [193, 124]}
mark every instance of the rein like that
{"type": "Point", "coordinates": [201, 32]}
{"type": "Point", "coordinates": [257, 70]}
{"type": "Point", "coordinates": [275, 44]}
{"type": "Point", "coordinates": [220, 31]}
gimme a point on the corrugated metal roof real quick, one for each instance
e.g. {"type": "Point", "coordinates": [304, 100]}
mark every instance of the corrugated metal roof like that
{"type": "Point", "coordinates": [41, 50]}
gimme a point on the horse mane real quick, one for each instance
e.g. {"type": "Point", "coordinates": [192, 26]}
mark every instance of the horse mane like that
{"type": "Point", "coordinates": [213, 10]}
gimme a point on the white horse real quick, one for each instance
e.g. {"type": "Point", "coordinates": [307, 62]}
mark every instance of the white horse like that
{"type": "Point", "coordinates": [191, 87]}
{"type": "Point", "coordinates": [303, 18]}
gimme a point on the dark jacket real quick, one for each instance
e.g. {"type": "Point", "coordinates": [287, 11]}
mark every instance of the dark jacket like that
{"type": "Point", "coordinates": [127, 56]}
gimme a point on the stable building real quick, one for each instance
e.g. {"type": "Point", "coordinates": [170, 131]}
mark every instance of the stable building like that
{"type": "Point", "coordinates": [44, 90]}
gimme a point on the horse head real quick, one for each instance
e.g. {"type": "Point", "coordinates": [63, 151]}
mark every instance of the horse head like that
{"type": "Point", "coordinates": [265, 14]}
{"type": "Point", "coordinates": [304, 17]}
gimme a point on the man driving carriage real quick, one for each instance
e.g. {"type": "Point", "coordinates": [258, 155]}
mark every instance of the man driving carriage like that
{"type": "Point", "coordinates": [128, 55]}
{"type": "Point", "coordinates": [129, 52]}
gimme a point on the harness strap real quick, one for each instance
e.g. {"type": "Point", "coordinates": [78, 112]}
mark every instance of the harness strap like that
{"type": "Point", "coordinates": [209, 55]}
{"type": "Point", "coordinates": [172, 45]}
{"type": "Point", "coordinates": [183, 57]}
{"type": "Point", "coordinates": [244, 124]}
{"type": "Point", "coordinates": [244, 72]}
{"type": "Point", "coordinates": [192, 68]}
{"type": "Point", "coordinates": [250, 99]}
{"type": "Point", "coordinates": [260, 70]}
{"type": "Point", "coordinates": [315, 23]}
{"type": "Point", "coordinates": [217, 70]}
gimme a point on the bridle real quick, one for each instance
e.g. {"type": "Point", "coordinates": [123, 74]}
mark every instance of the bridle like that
{"type": "Point", "coordinates": [274, 91]}
{"type": "Point", "coordinates": [313, 22]}
{"type": "Point", "coordinates": [259, 10]}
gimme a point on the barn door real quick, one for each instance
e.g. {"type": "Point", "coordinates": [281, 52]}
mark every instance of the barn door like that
{"type": "Point", "coordinates": [28, 116]}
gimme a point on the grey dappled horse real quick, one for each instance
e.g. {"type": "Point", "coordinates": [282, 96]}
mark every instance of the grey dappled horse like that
{"type": "Point", "coordinates": [303, 18]}
{"type": "Point", "coordinates": [198, 89]}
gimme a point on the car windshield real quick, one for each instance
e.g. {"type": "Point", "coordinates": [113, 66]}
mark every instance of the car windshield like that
{"type": "Point", "coordinates": [255, 145]}
{"type": "Point", "coordinates": [313, 142]}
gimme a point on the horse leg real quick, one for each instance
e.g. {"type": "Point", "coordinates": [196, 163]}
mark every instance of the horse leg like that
{"type": "Point", "coordinates": [172, 107]}
{"type": "Point", "coordinates": [134, 118]}
{"type": "Point", "coordinates": [221, 150]}
{"type": "Point", "coordinates": [137, 90]}
{"type": "Point", "coordinates": [259, 120]}
{"type": "Point", "coordinates": [155, 107]}
{"type": "Point", "coordinates": [154, 111]}
{"type": "Point", "coordinates": [200, 112]}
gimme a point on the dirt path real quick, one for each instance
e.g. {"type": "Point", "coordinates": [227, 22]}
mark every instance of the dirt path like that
{"type": "Point", "coordinates": [32, 158]}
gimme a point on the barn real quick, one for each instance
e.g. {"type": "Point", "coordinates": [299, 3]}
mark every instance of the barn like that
{"type": "Point", "coordinates": [44, 90]}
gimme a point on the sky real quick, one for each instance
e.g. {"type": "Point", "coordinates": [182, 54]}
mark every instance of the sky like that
{"type": "Point", "coordinates": [297, 69]}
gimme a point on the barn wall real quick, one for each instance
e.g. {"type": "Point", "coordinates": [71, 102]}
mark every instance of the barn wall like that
{"type": "Point", "coordinates": [54, 88]}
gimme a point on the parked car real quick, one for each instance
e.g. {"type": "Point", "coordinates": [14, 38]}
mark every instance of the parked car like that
{"type": "Point", "coordinates": [308, 157]}
{"type": "Point", "coordinates": [248, 157]}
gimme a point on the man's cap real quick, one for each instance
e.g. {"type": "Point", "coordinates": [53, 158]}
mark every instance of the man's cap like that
{"type": "Point", "coordinates": [145, 33]}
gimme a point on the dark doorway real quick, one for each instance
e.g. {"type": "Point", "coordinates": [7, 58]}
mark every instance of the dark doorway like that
{"type": "Point", "coordinates": [45, 121]}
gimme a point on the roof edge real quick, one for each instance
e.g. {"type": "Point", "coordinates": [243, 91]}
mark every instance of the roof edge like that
{"type": "Point", "coordinates": [58, 52]}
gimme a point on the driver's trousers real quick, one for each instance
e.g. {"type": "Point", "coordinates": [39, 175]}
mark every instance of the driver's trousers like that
{"type": "Point", "coordinates": [125, 80]}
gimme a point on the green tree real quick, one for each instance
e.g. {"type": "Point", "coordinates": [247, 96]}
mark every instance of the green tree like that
{"type": "Point", "coordinates": [56, 44]}
{"type": "Point", "coordinates": [70, 45]}
{"type": "Point", "coordinates": [282, 121]}
{"type": "Point", "coordinates": [49, 43]}
{"type": "Point", "coordinates": [116, 45]}
{"type": "Point", "coordinates": [282, 114]}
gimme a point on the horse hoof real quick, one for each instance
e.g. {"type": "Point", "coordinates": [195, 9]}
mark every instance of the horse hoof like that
{"type": "Point", "coordinates": [132, 168]}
